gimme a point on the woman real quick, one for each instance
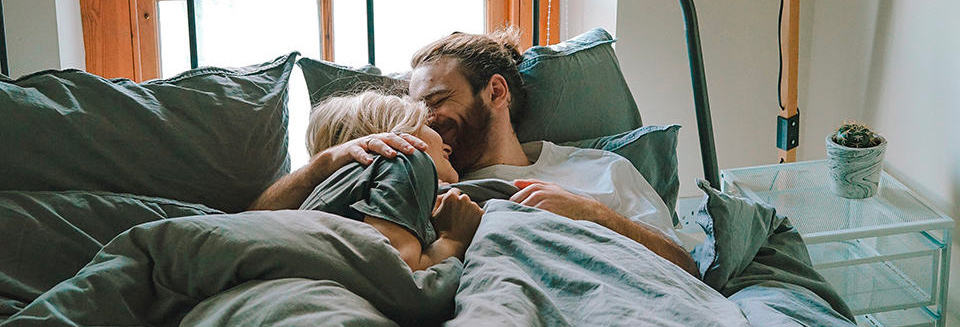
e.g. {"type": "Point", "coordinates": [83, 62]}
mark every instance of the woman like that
{"type": "Point", "coordinates": [397, 196]}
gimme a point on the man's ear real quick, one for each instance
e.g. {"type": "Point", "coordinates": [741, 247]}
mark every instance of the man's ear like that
{"type": "Point", "coordinates": [499, 92]}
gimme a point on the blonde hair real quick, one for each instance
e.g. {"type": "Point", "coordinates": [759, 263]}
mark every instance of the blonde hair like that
{"type": "Point", "coordinates": [341, 119]}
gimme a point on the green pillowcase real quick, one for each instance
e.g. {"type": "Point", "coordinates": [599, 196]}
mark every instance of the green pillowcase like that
{"type": "Point", "coordinates": [46, 237]}
{"type": "Point", "coordinates": [210, 135]}
{"type": "Point", "coordinates": [653, 151]}
{"type": "Point", "coordinates": [325, 79]}
{"type": "Point", "coordinates": [575, 90]}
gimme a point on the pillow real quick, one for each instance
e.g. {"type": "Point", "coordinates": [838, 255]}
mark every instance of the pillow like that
{"type": "Point", "coordinates": [46, 237]}
{"type": "Point", "coordinates": [575, 91]}
{"type": "Point", "coordinates": [215, 136]}
{"type": "Point", "coordinates": [653, 151]}
{"type": "Point", "coordinates": [325, 79]}
{"type": "Point", "coordinates": [748, 244]}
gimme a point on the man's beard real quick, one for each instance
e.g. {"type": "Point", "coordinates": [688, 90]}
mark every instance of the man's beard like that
{"type": "Point", "coordinates": [471, 139]}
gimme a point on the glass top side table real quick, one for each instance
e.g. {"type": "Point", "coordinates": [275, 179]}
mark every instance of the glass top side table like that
{"type": "Point", "coordinates": [888, 255]}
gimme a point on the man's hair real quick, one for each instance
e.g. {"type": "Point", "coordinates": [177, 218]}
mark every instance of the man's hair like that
{"type": "Point", "coordinates": [480, 56]}
{"type": "Point", "coordinates": [343, 118]}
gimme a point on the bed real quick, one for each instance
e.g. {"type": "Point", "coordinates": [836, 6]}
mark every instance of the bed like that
{"type": "Point", "coordinates": [123, 204]}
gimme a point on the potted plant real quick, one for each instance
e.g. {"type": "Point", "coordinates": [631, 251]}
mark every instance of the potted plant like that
{"type": "Point", "coordinates": [855, 156]}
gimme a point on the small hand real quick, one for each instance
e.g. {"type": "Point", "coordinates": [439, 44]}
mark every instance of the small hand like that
{"type": "Point", "coordinates": [456, 217]}
{"type": "Point", "coordinates": [385, 144]}
{"type": "Point", "coordinates": [551, 197]}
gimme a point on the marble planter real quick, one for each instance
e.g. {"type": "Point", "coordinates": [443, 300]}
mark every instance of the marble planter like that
{"type": "Point", "coordinates": [854, 172]}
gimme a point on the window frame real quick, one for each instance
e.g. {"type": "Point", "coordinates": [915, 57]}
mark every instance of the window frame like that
{"type": "Point", "coordinates": [138, 56]}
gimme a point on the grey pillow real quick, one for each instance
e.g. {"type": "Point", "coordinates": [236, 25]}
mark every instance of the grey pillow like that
{"type": "Point", "coordinates": [575, 90]}
{"type": "Point", "coordinates": [215, 136]}
{"type": "Point", "coordinates": [325, 79]}
{"type": "Point", "coordinates": [749, 244]}
{"type": "Point", "coordinates": [46, 237]}
{"type": "Point", "coordinates": [653, 151]}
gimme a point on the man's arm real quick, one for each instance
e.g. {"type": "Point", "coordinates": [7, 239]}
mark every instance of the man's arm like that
{"type": "Point", "coordinates": [289, 191]}
{"type": "Point", "coordinates": [553, 198]}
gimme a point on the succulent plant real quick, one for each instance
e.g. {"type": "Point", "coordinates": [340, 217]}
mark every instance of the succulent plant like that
{"type": "Point", "coordinates": [856, 135]}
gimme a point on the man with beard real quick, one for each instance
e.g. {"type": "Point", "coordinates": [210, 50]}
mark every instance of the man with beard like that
{"type": "Point", "coordinates": [473, 88]}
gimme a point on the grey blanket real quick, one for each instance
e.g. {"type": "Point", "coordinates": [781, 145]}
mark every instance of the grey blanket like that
{"type": "Point", "coordinates": [282, 267]}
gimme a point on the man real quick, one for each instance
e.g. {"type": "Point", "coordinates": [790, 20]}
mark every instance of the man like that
{"type": "Point", "coordinates": [473, 88]}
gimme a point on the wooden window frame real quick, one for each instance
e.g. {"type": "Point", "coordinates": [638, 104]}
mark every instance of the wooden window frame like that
{"type": "Point", "coordinates": [519, 14]}
{"type": "Point", "coordinates": [121, 37]}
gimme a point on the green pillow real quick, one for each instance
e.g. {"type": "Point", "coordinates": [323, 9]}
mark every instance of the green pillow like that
{"type": "Point", "coordinates": [325, 79]}
{"type": "Point", "coordinates": [653, 151]}
{"type": "Point", "coordinates": [46, 237]}
{"type": "Point", "coordinates": [575, 90]}
{"type": "Point", "coordinates": [215, 136]}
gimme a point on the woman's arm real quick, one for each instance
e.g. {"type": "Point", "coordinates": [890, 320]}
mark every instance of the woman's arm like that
{"type": "Point", "coordinates": [409, 247]}
{"type": "Point", "coordinates": [456, 221]}
{"type": "Point", "coordinates": [289, 191]}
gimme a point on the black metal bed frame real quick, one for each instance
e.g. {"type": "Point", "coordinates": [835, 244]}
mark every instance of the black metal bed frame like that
{"type": "Point", "coordinates": [701, 101]}
{"type": "Point", "coordinates": [4, 69]}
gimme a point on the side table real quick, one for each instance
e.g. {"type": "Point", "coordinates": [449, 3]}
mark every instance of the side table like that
{"type": "Point", "coordinates": [888, 255]}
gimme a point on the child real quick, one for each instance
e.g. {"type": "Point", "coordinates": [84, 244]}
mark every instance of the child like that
{"type": "Point", "coordinates": [396, 196]}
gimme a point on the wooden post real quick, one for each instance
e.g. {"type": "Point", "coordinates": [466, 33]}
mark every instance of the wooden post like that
{"type": "Point", "coordinates": [326, 29]}
{"type": "Point", "coordinates": [120, 38]}
{"type": "Point", "coordinates": [789, 49]}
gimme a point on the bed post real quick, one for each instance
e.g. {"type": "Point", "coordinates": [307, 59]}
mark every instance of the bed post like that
{"type": "Point", "coordinates": [4, 69]}
{"type": "Point", "coordinates": [192, 33]}
{"type": "Point", "coordinates": [708, 151]}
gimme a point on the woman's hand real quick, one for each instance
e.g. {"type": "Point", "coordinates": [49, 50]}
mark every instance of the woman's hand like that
{"type": "Point", "coordinates": [385, 144]}
{"type": "Point", "coordinates": [456, 217]}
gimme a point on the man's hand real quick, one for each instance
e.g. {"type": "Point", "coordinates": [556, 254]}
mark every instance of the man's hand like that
{"type": "Point", "coordinates": [551, 197]}
{"type": "Point", "coordinates": [456, 217]}
{"type": "Point", "coordinates": [385, 144]}
{"type": "Point", "coordinates": [289, 191]}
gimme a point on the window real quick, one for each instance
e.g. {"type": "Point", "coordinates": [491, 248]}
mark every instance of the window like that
{"type": "Point", "coordinates": [244, 32]}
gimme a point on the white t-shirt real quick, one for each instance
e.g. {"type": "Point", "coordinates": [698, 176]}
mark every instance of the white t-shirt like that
{"type": "Point", "coordinates": [601, 175]}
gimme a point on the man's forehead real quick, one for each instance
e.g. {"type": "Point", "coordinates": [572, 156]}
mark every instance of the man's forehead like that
{"type": "Point", "coordinates": [436, 77]}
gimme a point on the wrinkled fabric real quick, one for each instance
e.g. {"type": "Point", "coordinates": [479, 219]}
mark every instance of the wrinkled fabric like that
{"type": "Point", "coordinates": [575, 90]}
{"type": "Point", "coordinates": [528, 267]}
{"type": "Point", "coordinates": [781, 304]}
{"type": "Point", "coordinates": [156, 273]}
{"type": "Point", "coordinates": [46, 237]}
{"type": "Point", "coordinates": [214, 136]}
{"type": "Point", "coordinates": [482, 190]}
{"type": "Point", "coordinates": [748, 244]}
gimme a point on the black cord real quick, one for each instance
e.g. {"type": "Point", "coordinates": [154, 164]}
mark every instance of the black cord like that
{"type": "Point", "coordinates": [780, 53]}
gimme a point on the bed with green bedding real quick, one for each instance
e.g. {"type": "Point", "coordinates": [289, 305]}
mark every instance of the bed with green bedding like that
{"type": "Point", "coordinates": [123, 204]}
{"type": "Point", "coordinates": [526, 267]}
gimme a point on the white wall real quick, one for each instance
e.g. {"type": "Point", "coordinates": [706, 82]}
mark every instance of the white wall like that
{"type": "Point", "coordinates": [43, 34]}
{"type": "Point", "coordinates": [739, 40]}
{"type": "Point", "coordinates": [70, 34]}
{"type": "Point", "coordinates": [741, 59]}
{"type": "Point", "coordinates": [578, 16]}
{"type": "Point", "coordinates": [911, 99]}
{"type": "Point", "coordinates": [836, 43]}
